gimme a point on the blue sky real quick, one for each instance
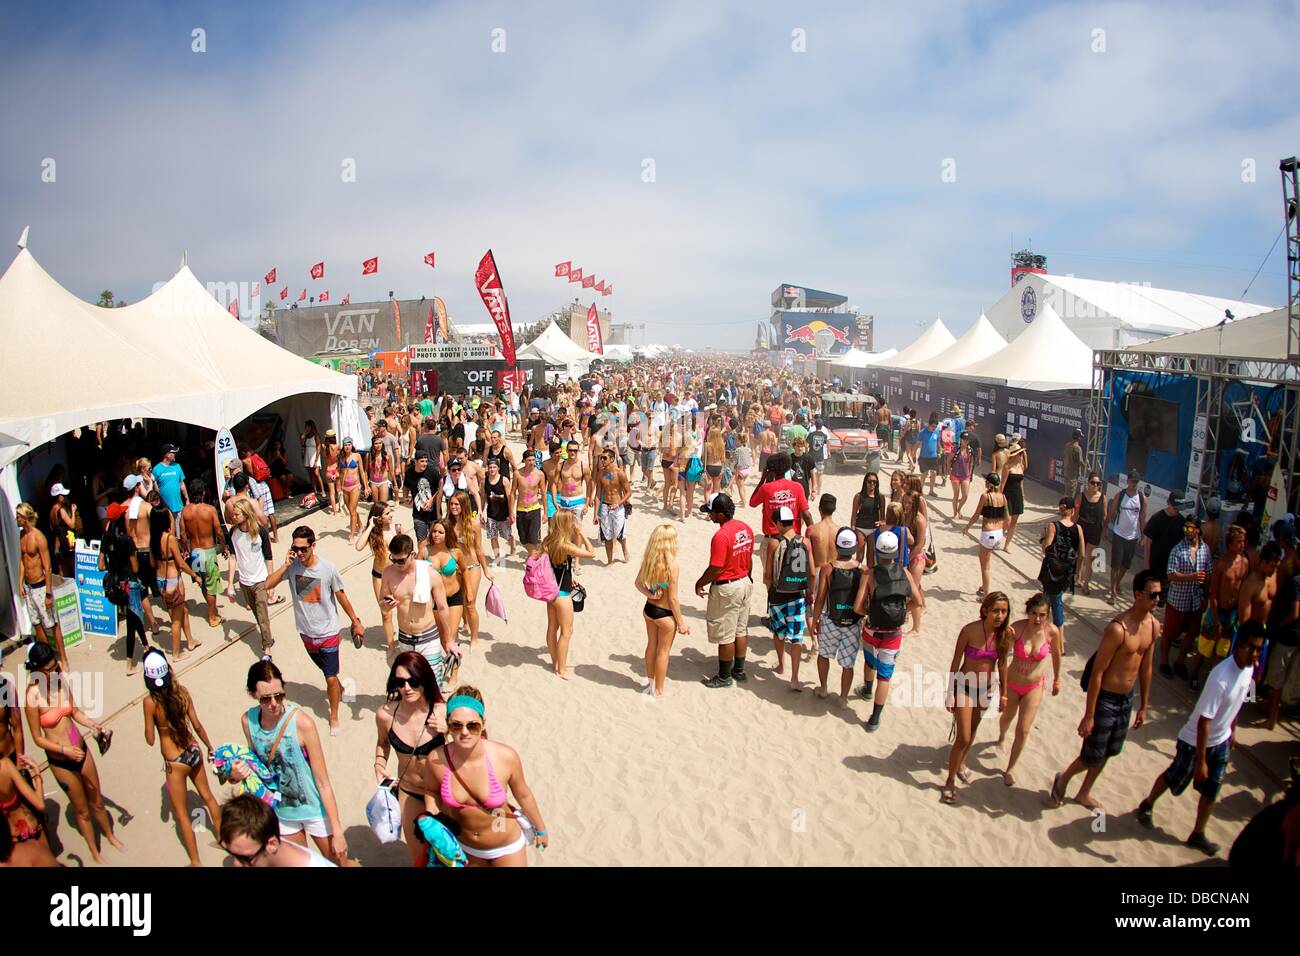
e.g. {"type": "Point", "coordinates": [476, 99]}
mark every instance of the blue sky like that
{"type": "Point", "coordinates": [820, 167]}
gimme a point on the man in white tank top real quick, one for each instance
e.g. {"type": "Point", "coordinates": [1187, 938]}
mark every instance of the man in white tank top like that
{"type": "Point", "coordinates": [1126, 516]}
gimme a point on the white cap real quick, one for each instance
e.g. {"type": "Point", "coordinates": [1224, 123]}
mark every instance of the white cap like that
{"type": "Point", "coordinates": [784, 515]}
{"type": "Point", "coordinates": [846, 540]}
{"type": "Point", "coordinates": [59, 489]}
{"type": "Point", "coordinates": [887, 544]}
{"type": "Point", "coordinates": [156, 668]}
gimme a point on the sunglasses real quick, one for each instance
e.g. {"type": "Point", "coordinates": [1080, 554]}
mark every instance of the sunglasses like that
{"type": "Point", "coordinates": [411, 682]}
{"type": "Point", "coordinates": [473, 726]}
{"type": "Point", "coordinates": [398, 561]}
{"type": "Point", "coordinates": [1093, 481]}
{"type": "Point", "coordinates": [241, 858]}
{"type": "Point", "coordinates": [295, 549]}
{"type": "Point", "coordinates": [1154, 595]}
{"type": "Point", "coordinates": [278, 698]}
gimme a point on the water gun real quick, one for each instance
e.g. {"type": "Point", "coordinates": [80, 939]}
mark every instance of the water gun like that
{"type": "Point", "coordinates": [260, 782]}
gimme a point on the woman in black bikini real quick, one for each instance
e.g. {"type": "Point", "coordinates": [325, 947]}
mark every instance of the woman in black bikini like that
{"type": "Point", "coordinates": [170, 715]}
{"type": "Point", "coordinates": [412, 723]}
{"type": "Point", "coordinates": [662, 613]}
{"type": "Point", "coordinates": [52, 717]}
{"type": "Point", "coordinates": [376, 539]}
{"type": "Point", "coordinates": [169, 565]}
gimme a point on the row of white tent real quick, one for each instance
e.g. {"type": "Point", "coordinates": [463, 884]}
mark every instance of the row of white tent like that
{"type": "Point", "coordinates": [557, 349]}
{"type": "Point", "coordinates": [1046, 356]}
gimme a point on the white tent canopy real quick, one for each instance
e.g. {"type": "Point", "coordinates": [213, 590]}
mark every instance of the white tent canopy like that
{"type": "Point", "coordinates": [1258, 337]}
{"type": "Point", "coordinates": [977, 343]}
{"type": "Point", "coordinates": [856, 358]}
{"type": "Point", "coordinates": [555, 348]}
{"type": "Point", "coordinates": [176, 355]}
{"type": "Point", "coordinates": [928, 344]}
{"type": "Point", "coordinates": [1045, 357]}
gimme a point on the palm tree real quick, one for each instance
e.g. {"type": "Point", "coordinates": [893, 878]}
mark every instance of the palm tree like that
{"type": "Point", "coordinates": [106, 299]}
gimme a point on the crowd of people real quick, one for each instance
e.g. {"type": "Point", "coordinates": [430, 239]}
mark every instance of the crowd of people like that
{"type": "Point", "coordinates": [703, 442]}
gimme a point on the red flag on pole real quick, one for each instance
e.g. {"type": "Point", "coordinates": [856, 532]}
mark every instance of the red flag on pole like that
{"type": "Point", "coordinates": [588, 281]}
{"type": "Point", "coordinates": [324, 296]}
{"type": "Point", "coordinates": [488, 283]}
{"type": "Point", "coordinates": [595, 344]}
{"type": "Point", "coordinates": [347, 299]}
{"type": "Point", "coordinates": [609, 290]}
{"type": "Point", "coordinates": [284, 293]}
{"type": "Point", "coordinates": [428, 260]}
{"type": "Point", "coordinates": [428, 326]}
{"type": "Point", "coordinates": [600, 287]}
{"type": "Point", "coordinates": [575, 275]}
{"type": "Point", "coordinates": [257, 289]}
{"type": "Point", "coordinates": [370, 266]}
{"type": "Point", "coordinates": [562, 269]}
{"type": "Point", "coordinates": [233, 308]}
{"type": "Point", "coordinates": [318, 271]}
{"type": "Point", "coordinates": [303, 296]}
{"type": "Point", "coordinates": [270, 277]}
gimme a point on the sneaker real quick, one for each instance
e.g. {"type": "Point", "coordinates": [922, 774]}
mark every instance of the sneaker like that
{"type": "Point", "coordinates": [717, 680]}
{"type": "Point", "coordinates": [1144, 816]}
{"type": "Point", "coordinates": [1197, 841]}
{"type": "Point", "coordinates": [739, 676]}
{"type": "Point", "coordinates": [873, 725]}
{"type": "Point", "coordinates": [865, 691]}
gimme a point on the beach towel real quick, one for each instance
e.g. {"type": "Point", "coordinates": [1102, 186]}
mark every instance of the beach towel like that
{"type": "Point", "coordinates": [444, 848]}
{"type": "Point", "coordinates": [421, 593]}
{"type": "Point", "coordinates": [261, 782]}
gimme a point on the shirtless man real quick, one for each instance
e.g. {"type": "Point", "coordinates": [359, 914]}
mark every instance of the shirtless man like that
{"type": "Point", "coordinates": [536, 430]}
{"type": "Point", "coordinates": [203, 531]}
{"type": "Point", "coordinates": [1260, 587]}
{"type": "Point", "coordinates": [38, 580]}
{"type": "Point", "coordinates": [571, 483]}
{"type": "Point", "coordinates": [138, 510]}
{"type": "Point", "coordinates": [615, 490]}
{"type": "Point", "coordinates": [526, 490]}
{"type": "Point", "coordinates": [422, 626]}
{"type": "Point", "coordinates": [1221, 602]}
{"type": "Point", "coordinates": [821, 536]}
{"type": "Point", "coordinates": [1125, 657]}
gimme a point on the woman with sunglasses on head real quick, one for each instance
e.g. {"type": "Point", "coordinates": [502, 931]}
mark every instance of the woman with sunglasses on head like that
{"type": "Point", "coordinates": [1025, 672]}
{"type": "Point", "coordinates": [564, 541]}
{"type": "Point", "coordinates": [352, 476]}
{"type": "Point", "coordinates": [1091, 516]}
{"type": "Point", "coordinates": [412, 723]}
{"type": "Point", "coordinates": [469, 538]}
{"type": "Point", "coordinates": [868, 511]}
{"type": "Point", "coordinates": [381, 527]}
{"type": "Point", "coordinates": [980, 653]}
{"type": "Point", "coordinates": [472, 777]}
{"type": "Point", "coordinates": [169, 715]}
{"type": "Point", "coordinates": [53, 717]}
{"type": "Point", "coordinates": [286, 740]}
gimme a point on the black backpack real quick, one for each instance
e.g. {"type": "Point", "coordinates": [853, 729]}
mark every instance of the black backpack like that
{"type": "Point", "coordinates": [115, 589]}
{"type": "Point", "coordinates": [1059, 563]}
{"type": "Point", "coordinates": [792, 567]}
{"type": "Point", "coordinates": [840, 595]}
{"type": "Point", "coordinates": [888, 608]}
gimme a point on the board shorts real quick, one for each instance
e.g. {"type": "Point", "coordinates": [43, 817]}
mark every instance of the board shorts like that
{"type": "Point", "coordinates": [613, 522]}
{"type": "Point", "coordinates": [727, 611]}
{"type": "Point", "coordinates": [647, 459]}
{"type": "Point", "coordinates": [499, 529]}
{"type": "Point", "coordinates": [1122, 551]}
{"type": "Point", "coordinates": [574, 504]}
{"type": "Point", "coordinates": [880, 650]}
{"type": "Point", "coordinates": [1109, 729]}
{"type": "Point", "coordinates": [208, 568]}
{"type": "Point", "coordinates": [1183, 770]}
{"type": "Point", "coordinates": [840, 641]}
{"type": "Point", "coordinates": [34, 601]}
{"type": "Point", "coordinates": [324, 652]}
{"type": "Point", "coordinates": [529, 525]}
{"type": "Point", "coordinates": [1283, 671]}
{"type": "Point", "coordinates": [788, 620]}
{"type": "Point", "coordinates": [1206, 645]}
{"type": "Point", "coordinates": [928, 464]}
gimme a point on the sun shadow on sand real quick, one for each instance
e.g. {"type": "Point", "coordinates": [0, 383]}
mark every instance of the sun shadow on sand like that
{"type": "Point", "coordinates": [506, 654]}
{"type": "Point", "coordinates": [603, 675]}
{"type": "Point", "coordinates": [368, 851]}
{"type": "Point", "coordinates": [313, 698]}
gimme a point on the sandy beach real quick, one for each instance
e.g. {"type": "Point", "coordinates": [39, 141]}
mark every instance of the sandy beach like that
{"type": "Point", "coordinates": [749, 775]}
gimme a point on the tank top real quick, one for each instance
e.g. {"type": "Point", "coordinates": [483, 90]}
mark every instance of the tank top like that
{"type": "Point", "coordinates": [1092, 514]}
{"type": "Point", "coordinates": [498, 508]}
{"type": "Point", "coordinates": [1127, 515]}
{"type": "Point", "coordinates": [744, 457]}
{"type": "Point", "coordinates": [502, 460]}
{"type": "Point", "coordinates": [300, 798]}
{"type": "Point", "coordinates": [868, 511]}
{"type": "Point", "coordinates": [900, 532]}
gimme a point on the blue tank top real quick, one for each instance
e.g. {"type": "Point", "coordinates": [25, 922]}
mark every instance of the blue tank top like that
{"type": "Point", "coordinates": [297, 784]}
{"type": "Point", "coordinates": [900, 532]}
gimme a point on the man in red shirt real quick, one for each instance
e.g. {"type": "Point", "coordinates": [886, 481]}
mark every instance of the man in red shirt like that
{"type": "Point", "coordinates": [729, 578]}
{"type": "Point", "coordinates": [778, 491]}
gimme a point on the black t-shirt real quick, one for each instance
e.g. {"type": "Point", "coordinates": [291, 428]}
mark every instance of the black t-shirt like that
{"type": "Point", "coordinates": [432, 443]}
{"type": "Point", "coordinates": [1165, 531]}
{"type": "Point", "coordinates": [424, 489]}
{"type": "Point", "coordinates": [802, 469]}
{"type": "Point", "coordinates": [118, 549]}
{"type": "Point", "coordinates": [1286, 634]}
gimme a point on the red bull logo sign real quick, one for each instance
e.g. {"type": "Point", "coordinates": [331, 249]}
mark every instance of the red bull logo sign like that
{"type": "Point", "coordinates": [818, 334]}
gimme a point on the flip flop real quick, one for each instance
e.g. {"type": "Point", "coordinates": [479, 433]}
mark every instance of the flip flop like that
{"type": "Point", "coordinates": [948, 795]}
{"type": "Point", "coordinates": [1056, 797]}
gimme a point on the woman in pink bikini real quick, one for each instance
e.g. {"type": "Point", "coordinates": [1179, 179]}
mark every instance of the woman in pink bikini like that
{"type": "Point", "coordinates": [1025, 675]}
{"type": "Point", "coordinates": [470, 776]}
{"type": "Point", "coordinates": [981, 645]}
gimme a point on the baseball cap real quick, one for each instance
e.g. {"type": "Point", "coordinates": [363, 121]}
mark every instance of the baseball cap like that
{"type": "Point", "coordinates": [169, 449]}
{"type": "Point", "coordinates": [157, 672]}
{"type": "Point", "coordinates": [846, 540]}
{"type": "Point", "coordinates": [784, 515]}
{"type": "Point", "coordinates": [59, 489]}
{"type": "Point", "coordinates": [887, 544]}
{"type": "Point", "coordinates": [718, 503]}
{"type": "Point", "coordinates": [1134, 476]}
{"type": "Point", "coordinates": [130, 481]}
{"type": "Point", "coordinates": [115, 511]}
{"type": "Point", "coordinates": [455, 463]}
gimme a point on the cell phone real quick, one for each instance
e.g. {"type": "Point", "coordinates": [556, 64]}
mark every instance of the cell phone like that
{"type": "Point", "coordinates": [388, 782]}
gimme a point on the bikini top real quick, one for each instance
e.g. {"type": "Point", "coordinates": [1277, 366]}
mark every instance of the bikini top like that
{"type": "Point", "coordinates": [350, 463]}
{"type": "Point", "coordinates": [496, 796]}
{"type": "Point", "coordinates": [981, 653]}
{"type": "Point", "coordinates": [54, 714]}
{"type": "Point", "coordinates": [994, 511]}
{"type": "Point", "coordinates": [448, 569]}
{"type": "Point", "coordinates": [405, 749]}
{"type": "Point", "coordinates": [1022, 655]}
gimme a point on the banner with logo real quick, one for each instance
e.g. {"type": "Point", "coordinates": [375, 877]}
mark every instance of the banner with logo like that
{"type": "Point", "coordinates": [397, 320]}
{"type": "Point", "coordinates": [488, 282]}
{"type": "Point", "coordinates": [98, 614]}
{"type": "Point", "coordinates": [224, 452]}
{"type": "Point", "coordinates": [440, 329]}
{"type": "Point", "coordinates": [595, 345]}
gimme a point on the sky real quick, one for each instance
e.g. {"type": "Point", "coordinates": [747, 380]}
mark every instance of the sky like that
{"type": "Point", "coordinates": [695, 156]}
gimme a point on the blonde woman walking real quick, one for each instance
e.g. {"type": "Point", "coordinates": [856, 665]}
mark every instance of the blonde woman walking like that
{"type": "Point", "coordinates": [662, 613]}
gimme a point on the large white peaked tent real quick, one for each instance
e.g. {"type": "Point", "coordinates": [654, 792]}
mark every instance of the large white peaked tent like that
{"type": "Point", "coordinates": [977, 343]}
{"type": "Point", "coordinates": [1045, 357]}
{"type": "Point", "coordinates": [935, 339]}
{"type": "Point", "coordinates": [555, 348]}
{"type": "Point", "coordinates": [856, 358]}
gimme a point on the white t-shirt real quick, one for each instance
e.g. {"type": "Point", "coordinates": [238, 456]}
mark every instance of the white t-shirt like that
{"type": "Point", "coordinates": [248, 557]}
{"type": "Point", "coordinates": [471, 430]}
{"type": "Point", "coordinates": [1221, 697]}
{"type": "Point", "coordinates": [659, 412]}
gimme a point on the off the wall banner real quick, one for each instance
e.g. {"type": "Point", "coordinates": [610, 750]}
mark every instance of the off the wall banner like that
{"type": "Point", "coordinates": [594, 343]}
{"type": "Point", "coordinates": [488, 283]}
